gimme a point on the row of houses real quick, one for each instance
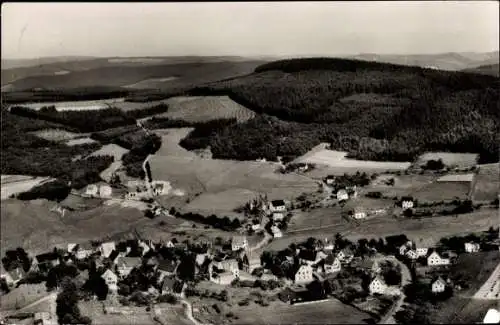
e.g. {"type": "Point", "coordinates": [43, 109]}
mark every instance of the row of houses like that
{"type": "Point", "coordinates": [413, 252]}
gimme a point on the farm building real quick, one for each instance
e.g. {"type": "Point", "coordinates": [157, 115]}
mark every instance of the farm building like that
{"type": "Point", "coordinates": [358, 213]}
{"type": "Point", "coordinates": [111, 280]}
{"type": "Point", "coordinates": [377, 285]}
{"type": "Point", "coordinates": [328, 245]}
{"type": "Point", "coordinates": [304, 274]}
{"type": "Point", "coordinates": [438, 285]}
{"type": "Point", "coordinates": [107, 248]}
{"type": "Point", "coordinates": [332, 264]}
{"type": "Point", "coordinates": [471, 247]}
{"type": "Point", "coordinates": [407, 202]}
{"type": "Point", "coordinates": [293, 295]}
{"type": "Point", "coordinates": [105, 191]}
{"type": "Point", "coordinates": [330, 179]}
{"type": "Point", "coordinates": [436, 259]}
{"type": "Point", "coordinates": [166, 268]}
{"type": "Point", "coordinates": [276, 232]}
{"type": "Point", "coordinates": [124, 265]}
{"type": "Point", "coordinates": [278, 216]}
{"type": "Point", "coordinates": [277, 206]}
{"type": "Point", "coordinates": [342, 195]}
{"type": "Point", "coordinates": [91, 190]}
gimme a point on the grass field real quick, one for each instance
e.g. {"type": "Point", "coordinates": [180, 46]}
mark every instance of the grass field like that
{"type": "Point", "coordinates": [403, 185]}
{"type": "Point", "coordinates": [9, 188]}
{"type": "Point", "coordinates": [442, 191]}
{"type": "Point", "coordinates": [457, 178]}
{"type": "Point", "coordinates": [336, 159]}
{"type": "Point", "coordinates": [221, 203]}
{"type": "Point", "coordinates": [170, 139]}
{"type": "Point", "coordinates": [430, 230]}
{"type": "Point", "coordinates": [22, 296]}
{"type": "Point", "coordinates": [201, 109]}
{"type": "Point", "coordinates": [79, 141]}
{"type": "Point", "coordinates": [56, 135]}
{"type": "Point", "coordinates": [331, 311]}
{"type": "Point", "coordinates": [487, 185]}
{"type": "Point", "coordinates": [461, 160]}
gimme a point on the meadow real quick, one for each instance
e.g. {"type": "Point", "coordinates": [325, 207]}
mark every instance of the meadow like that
{"type": "Point", "coordinates": [442, 191]}
{"type": "Point", "coordinates": [75, 105]}
{"type": "Point", "coordinates": [460, 160]}
{"type": "Point", "coordinates": [487, 186]}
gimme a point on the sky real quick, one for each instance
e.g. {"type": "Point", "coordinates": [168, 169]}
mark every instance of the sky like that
{"type": "Point", "coordinates": [31, 30]}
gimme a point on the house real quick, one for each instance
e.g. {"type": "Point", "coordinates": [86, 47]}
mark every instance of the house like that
{"type": "Point", "coordinates": [438, 285]}
{"type": "Point", "coordinates": [311, 257]}
{"type": "Point", "coordinates": [304, 274]}
{"type": "Point", "coordinates": [83, 251]}
{"type": "Point", "coordinates": [293, 295]}
{"type": "Point", "coordinates": [168, 285]}
{"type": "Point", "coordinates": [166, 268]}
{"type": "Point", "coordinates": [342, 195]}
{"type": "Point", "coordinates": [330, 179]}
{"type": "Point", "coordinates": [111, 280]}
{"type": "Point", "coordinates": [436, 259]}
{"type": "Point", "coordinates": [71, 247]}
{"type": "Point", "coordinates": [105, 191]}
{"type": "Point", "coordinates": [377, 285]}
{"type": "Point", "coordinates": [352, 191]}
{"type": "Point", "coordinates": [412, 254]}
{"type": "Point", "coordinates": [407, 202]}
{"type": "Point", "coordinates": [239, 242]}
{"type": "Point", "coordinates": [124, 265]}
{"type": "Point", "coordinates": [345, 255]}
{"type": "Point", "coordinates": [422, 251]}
{"type": "Point", "coordinates": [492, 317]}
{"type": "Point", "coordinates": [230, 265]}
{"type": "Point", "coordinates": [358, 213]}
{"type": "Point", "coordinates": [107, 248]}
{"type": "Point", "coordinates": [200, 259]}
{"type": "Point", "coordinates": [332, 264]}
{"type": "Point", "coordinates": [277, 206]}
{"type": "Point", "coordinates": [471, 247]}
{"type": "Point", "coordinates": [91, 190]}
{"type": "Point", "coordinates": [251, 262]}
{"type": "Point", "coordinates": [44, 262]}
{"type": "Point", "coordinates": [169, 244]}
{"type": "Point", "coordinates": [276, 232]}
{"type": "Point", "coordinates": [328, 245]}
{"type": "Point", "coordinates": [158, 188]}
{"type": "Point", "coordinates": [43, 318]}
{"type": "Point", "coordinates": [278, 216]}
{"type": "Point", "coordinates": [224, 278]}
{"type": "Point", "coordinates": [145, 247]}
{"type": "Point", "coordinates": [255, 226]}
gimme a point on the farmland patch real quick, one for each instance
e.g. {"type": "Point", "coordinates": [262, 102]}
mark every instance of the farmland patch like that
{"type": "Point", "coordinates": [336, 159]}
{"type": "Point", "coordinates": [442, 191]}
{"type": "Point", "coordinates": [83, 105]}
{"type": "Point", "coordinates": [456, 178]}
{"type": "Point", "coordinates": [460, 160]}
{"type": "Point", "coordinates": [79, 141]}
{"type": "Point", "coordinates": [170, 139]}
{"type": "Point", "coordinates": [149, 83]}
{"type": "Point", "coordinates": [56, 135]}
{"type": "Point", "coordinates": [487, 187]}
{"type": "Point", "coordinates": [15, 187]}
{"type": "Point", "coordinates": [221, 203]}
{"type": "Point", "coordinates": [111, 150]}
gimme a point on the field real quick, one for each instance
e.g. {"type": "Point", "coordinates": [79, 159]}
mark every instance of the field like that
{"type": "Point", "coordinates": [56, 135]}
{"type": "Point", "coordinates": [33, 226]}
{"type": "Point", "coordinates": [461, 160]}
{"type": "Point", "coordinates": [430, 230]}
{"type": "Point", "coordinates": [111, 150]}
{"type": "Point", "coordinates": [16, 186]}
{"type": "Point", "coordinates": [336, 159]}
{"type": "Point", "coordinates": [487, 187]}
{"type": "Point", "coordinates": [221, 203]}
{"type": "Point", "coordinates": [456, 178]}
{"type": "Point", "coordinates": [75, 105]}
{"type": "Point", "coordinates": [149, 83]}
{"type": "Point", "coordinates": [79, 141]}
{"type": "Point", "coordinates": [22, 296]}
{"type": "Point", "coordinates": [403, 184]}
{"type": "Point", "coordinates": [442, 191]}
{"type": "Point", "coordinates": [201, 109]}
{"type": "Point", "coordinates": [309, 313]}
{"type": "Point", "coordinates": [170, 139]}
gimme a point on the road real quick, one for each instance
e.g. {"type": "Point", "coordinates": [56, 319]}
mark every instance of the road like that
{"type": "Point", "coordinates": [491, 288]}
{"type": "Point", "coordinates": [405, 279]}
{"type": "Point", "coordinates": [267, 238]}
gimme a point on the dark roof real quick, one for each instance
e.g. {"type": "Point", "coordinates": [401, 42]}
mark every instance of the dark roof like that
{"type": "Point", "coordinates": [114, 254]}
{"type": "Point", "coordinates": [167, 265]}
{"type": "Point", "coordinates": [17, 273]}
{"type": "Point", "coordinates": [330, 259]}
{"type": "Point", "coordinates": [47, 257]}
{"type": "Point", "coordinates": [278, 202]}
{"type": "Point", "coordinates": [407, 198]}
{"type": "Point", "coordinates": [330, 177]}
{"type": "Point", "coordinates": [307, 254]}
{"type": "Point", "coordinates": [168, 283]}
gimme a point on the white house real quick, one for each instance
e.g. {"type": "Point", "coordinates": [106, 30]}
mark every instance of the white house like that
{"type": "Point", "coordinates": [438, 286]}
{"type": "Point", "coordinates": [255, 226]}
{"type": "Point", "coordinates": [145, 247]}
{"type": "Point", "coordinates": [278, 216]}
{"type": "Point", "coordinates": [342, 195]}
{"type": "Point", "coordinates": [304, 274]}
{"type": "Point", "coordinates": [111, 280]}
{"type": "Point", "coordinates": [71, 247]}
{"type": "Point", "coordinates": [332, 264]}
{"type": "Point", "coordinates": [91, 190]}
{"type": "Point", "coordinates": [435, 259]}
{"type": "Point", "coordinates": [359, 213]}
{"type": "Point", "coordinates": [107, 248]}
{"type": "Point", "coordinates": [377, 286]}
{"type": "Point", "coordinates": [105, 191]}
{"type": "Point", "coordinates": [239, 242]}
{"type": "Point", "coordinates": [412, 254]}
{"type": "Point", "coordinates": [422, 251]}
{"type": "Point", "coordinates": [277, 206]}
{"type": "Point", "coordinates": [83, 251]}
{"type": "Point", "coordinates": [328, 245]}
{"type": "Point", "coordinates": [276, 232]}
{"type": "Point", "coordinates": [407, 203]}
{"type": "Point", "coordinates": [472, 247]}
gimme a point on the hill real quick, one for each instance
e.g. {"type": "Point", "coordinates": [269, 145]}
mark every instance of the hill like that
{"type": "Point", "coordinates": [490, 69]}
{"type": "Point", "coordinates": [158, 73]}
{"type": "Point", "coordinates": [443, 61]}
{"type": "Point", "coordinates": [375, 111]}
{"type": "Point", "coordinates": [23, 63]}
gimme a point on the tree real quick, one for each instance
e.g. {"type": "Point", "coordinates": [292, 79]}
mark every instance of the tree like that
{"type": "Point", "coordinates": [67, 304]}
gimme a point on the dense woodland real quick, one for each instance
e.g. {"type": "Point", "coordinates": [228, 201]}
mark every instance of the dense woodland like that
{"type": "Point", "coordinates": [375, 111]}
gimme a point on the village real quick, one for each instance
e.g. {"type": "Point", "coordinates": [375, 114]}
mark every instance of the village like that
{"type": "Point", "coordinates": [142, 273]}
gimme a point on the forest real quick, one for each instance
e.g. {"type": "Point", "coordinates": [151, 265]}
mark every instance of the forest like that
{"type": "Point", "coordinates": [372, 110]}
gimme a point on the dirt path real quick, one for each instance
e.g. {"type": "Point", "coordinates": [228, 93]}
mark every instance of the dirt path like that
{"type": "Point", "coordinates": [491, 288]}
{"type": "Point", "coordinates": [267, 238]}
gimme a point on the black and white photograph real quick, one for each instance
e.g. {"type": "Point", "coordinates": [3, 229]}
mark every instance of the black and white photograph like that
{"type": "Point", "coordinates": [250, 163]}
